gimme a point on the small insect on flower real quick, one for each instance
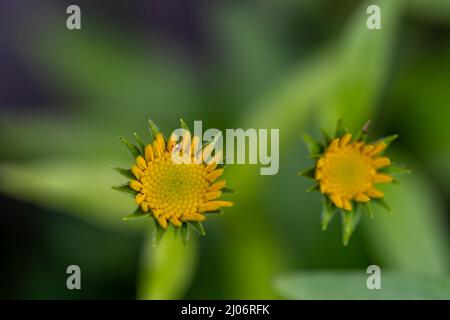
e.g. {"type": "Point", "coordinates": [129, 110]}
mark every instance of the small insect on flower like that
{"type": "Point", "coordinates": [171, 193]}
{"type": "Point", "coordinates": [346, 172]}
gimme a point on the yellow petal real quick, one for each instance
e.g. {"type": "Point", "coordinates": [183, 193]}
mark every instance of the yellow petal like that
{"type": "Point", "coordinates": [212, 176]}
{"type": "Point", "coordinates": [206, 153]}
{"type": "Point", "coordinates": [323, 188]}
{"type": "Point", "coordinates": [139, 198]}
{"type": "Point", "coordinates": [214, 162]}
{"type": "Point", "coordinates": [214, 205]}
{"type": "Point", "coordinates": [347, 205]}
{"type": "Point", "coordinates": [186, 142]}
{"type": "Point", "coordinates": [381, 162]}
{"type": "Point", "coordinates": [172, 142]}
{"type": "Point", "coordinates": [162, 222]}
{"type": "Point", "coordinates": [358, 144]}
{"type": "Point", "coordinates": [379, 147]}
{"type": "Point", "coordinates": [374, 193]}
{"type": "Point", "coordinates": [217, 186]}
{"type": "Point", "coordinates": [195, 146]}
{"type": "Point", "coordinates": [199, 217]}
{"type": "Point", "coordinates": [161, 142]}
{"type": "Point", "coordinates": [175, 221]}
{"type": "Point", "coordinates": [320, 162]}
{"type": "Point", "coordinates": [187, 217]}
{"type": "Point", "coordinates": [156, 149]}
{"type": "Point", "coordinates": [210, 167]}
{"type": "Point", "coordinates": [137, 172]}
{"type": "Point", "coordinates": [333, 145]}
{"type": "Point", "coordinates": [318, 174]}
{"type": "Point", "coordinates": [360, 197]}
{"type": "Point", "coordinates": [144, 206]}
{"type": "Point", "coordinates": [382, 178]}
{"type": "Point", "coordinates": [157, 213]}
{"type": "Point", "coordinates": [367, 148]}
{"type": "Point", "coordinates": [141, 163]}
{"type": "Point", "coordinates": [136, 185]}
{"type": "Point", "coordinates": [212, 195]}
{"type": "Point", "coordinates": [337, 200]}
{"type": "Point", "coordinates": [149, 155]}
{"type": "Point", "coordinates": [207, 207]}
{"type": "Point", "coordinates": [345, 139]}
{"type": "Point", "coordinates": [221, 203]}
{"type": "Point", "coordinates": [193, 217]}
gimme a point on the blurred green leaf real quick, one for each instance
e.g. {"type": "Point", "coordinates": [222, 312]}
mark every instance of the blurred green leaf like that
{"type": "Point", "coordinates": [353, 285]}
{"type": "Point", "coordinates": [341, 80]}
{"type": "Point", "coordinates": [79, 188]}
{"type": "Point", "coordinates": [413, 237]}
{"type": "Point", "coordinates": [314, 146]}
{"type": "Point", "coordinates": [167, 269]}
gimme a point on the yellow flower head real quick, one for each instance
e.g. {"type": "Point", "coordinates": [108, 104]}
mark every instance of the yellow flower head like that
{"type": "Point", "coordinates": [346, 173]}
{"type": "Point", "coordinates": [175, 193]}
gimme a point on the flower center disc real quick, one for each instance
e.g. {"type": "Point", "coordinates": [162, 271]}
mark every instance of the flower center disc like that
{"type": "Point", "coordinates": [347, 172]}
{"type": "Point", "coordinates": [174, 188]}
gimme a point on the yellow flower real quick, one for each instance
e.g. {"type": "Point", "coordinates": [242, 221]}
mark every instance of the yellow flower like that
{"type": "Point", "coordinates": [175, 193]}
{"type": "Point", "coordinates": [346, 173]}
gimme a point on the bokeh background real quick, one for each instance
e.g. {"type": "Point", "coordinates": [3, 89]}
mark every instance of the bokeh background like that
{"type": "Point", "coordinates": [65, 97]}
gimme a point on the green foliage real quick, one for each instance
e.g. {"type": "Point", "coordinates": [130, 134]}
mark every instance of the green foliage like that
{"type": "Point", "coordinates": [328, 211]}
{"type": "Point", "coordinates": [140, 142]}
{"type": "Point", "coordinates": [314, 146]}
{"type": "Point", "coordinates": [120, 80]}
{"type": "Point", "coordinates": [134, 151]}
{"type": "Point", "coordinates": [126, 189]}
{"type": "Point", "coordinates": [340, 129]}
{"type": "Point", "coordinates": [137, 214]}
{"type": "Point", "coordinates": [350, 220]}
{"type": "Point", "coordinates": [154, 129]}
{"type": "Point", "coordinates": [124, 172]}
{"type": "Point", "coordinates": [160, 276]}
{"type": "Point", "coordinates": [352, 285]}
{"type": "Point", "coordinates": [198, 226]}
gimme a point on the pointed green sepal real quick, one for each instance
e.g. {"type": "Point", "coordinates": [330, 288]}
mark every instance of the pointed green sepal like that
{"type": "Point", "coordinates": [138, 213]}
{"type": "Point", "coordinates": [215, 212]}
{"type": "Point", "coordinates": [363, 133]}
{"type": "Point", "coordinates": [228, 190]}
{"type": "Point", "coordinates": [368, 208]}
{"type": "Point", "coordinates": [135, 152]}
{"type": "Point", "coordinates": [314, 146]}
{"type": "Point", "coordinates": [184, 233]}
{"type": "Point", "coordinates": [395, 169]}
{"type": "Point", "coordinates": [382, 203]}
{"type": "Point", "coordinates": [158, 233]}
{"type": "Point", "coordinates": [124, 172]}
{"type": "Point", "coordinates": [325, 136]}
{"type": "Point", "coordinates": [388, 140]}
{"type": "Point", "coordinates": [153, 128]}
{"type": "Point", "coordinates": [198, 226]}
{"type": "Point", "coordinates": [315, 156]}
{"type": "Point", "coordinates": [126, 189]}
{"type": "Point", "coordinates": [308, 173]}
{"type": "Point", "coordinates": [313, 188]}
{"type": "Point", "coordinates": [140, 142]}
{"type": "Point", "coordinates": [184, 125]}
{"type": "Point", "coordinates": [350, 220]}
{"type": "Point", "coordinates": [340, 129]}
{"type": "Point", "coordinates": [327, 214]}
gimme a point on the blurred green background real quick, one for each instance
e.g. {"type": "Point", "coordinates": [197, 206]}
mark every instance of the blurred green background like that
{"type": "Point", "coordinates": [65, 97]}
